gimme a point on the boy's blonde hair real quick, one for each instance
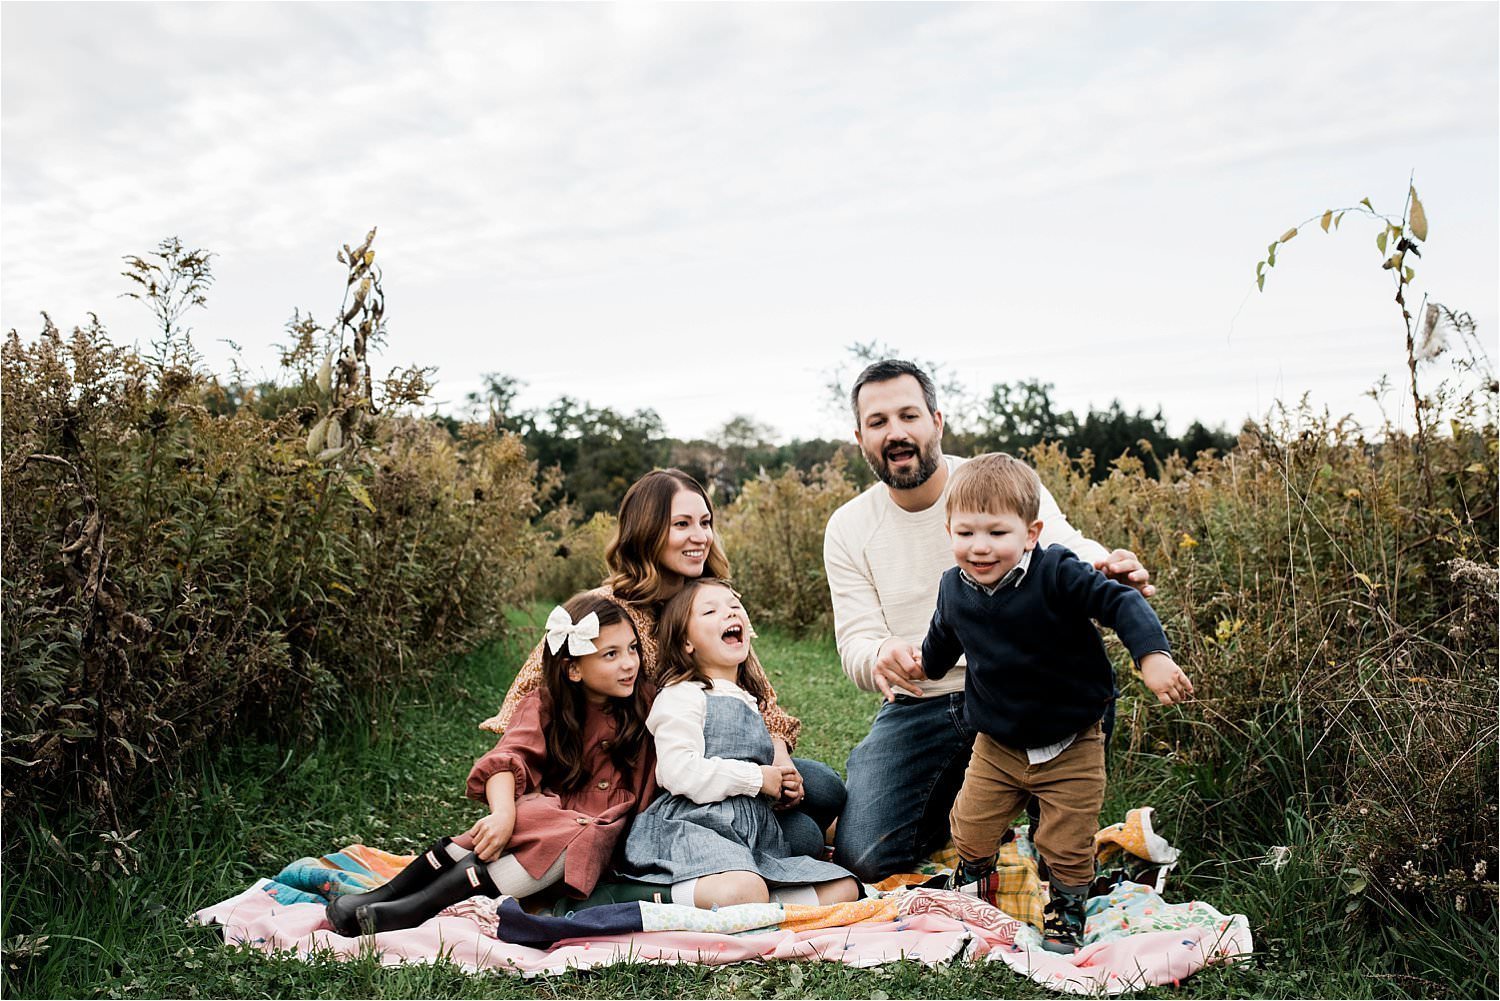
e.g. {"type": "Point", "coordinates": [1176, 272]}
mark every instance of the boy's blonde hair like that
{"type": "Point", "coordinates": [995, 483]}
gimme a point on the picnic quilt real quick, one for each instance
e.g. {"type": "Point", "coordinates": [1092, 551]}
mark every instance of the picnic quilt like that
{"type": "Point", "coordinates": [1134, 937]}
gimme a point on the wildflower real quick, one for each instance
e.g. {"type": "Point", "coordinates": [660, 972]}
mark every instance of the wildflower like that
{"type": "Point", "coordinates": [1187, 542]}
{"type": "Point", "coordinates": [1225, 629]}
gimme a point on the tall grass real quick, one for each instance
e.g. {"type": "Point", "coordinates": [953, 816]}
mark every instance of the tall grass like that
{"type": "Point", "coordinates": [186, 563]}
{"type": "Point", "coordinates": [392, 777]}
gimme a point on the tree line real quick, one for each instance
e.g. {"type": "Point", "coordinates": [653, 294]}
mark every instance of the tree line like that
{"type": "Point", "coordinates": [597, 452]}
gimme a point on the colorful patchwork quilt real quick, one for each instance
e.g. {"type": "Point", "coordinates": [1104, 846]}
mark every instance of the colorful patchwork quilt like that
{"type": "Point", "coordinates": [1134, 937]}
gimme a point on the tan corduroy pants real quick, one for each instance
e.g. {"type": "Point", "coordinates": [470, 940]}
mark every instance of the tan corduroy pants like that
{"type": "Point", "coordinates": [1070, 789]}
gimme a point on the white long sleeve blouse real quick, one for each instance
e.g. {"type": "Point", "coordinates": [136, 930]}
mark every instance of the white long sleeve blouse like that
{"type": "Point", "coordinates": [676, 721]}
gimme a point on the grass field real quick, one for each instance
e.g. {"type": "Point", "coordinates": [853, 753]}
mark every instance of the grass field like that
{"type": "Point", "coordinates": [92, 917]}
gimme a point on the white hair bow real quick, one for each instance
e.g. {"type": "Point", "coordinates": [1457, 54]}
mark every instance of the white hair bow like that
{"type": "Point", "coordinates": [580, 635]}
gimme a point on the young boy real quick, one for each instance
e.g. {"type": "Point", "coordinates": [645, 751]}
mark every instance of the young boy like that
{"type": "Point", "coordinates": [1037, 684]}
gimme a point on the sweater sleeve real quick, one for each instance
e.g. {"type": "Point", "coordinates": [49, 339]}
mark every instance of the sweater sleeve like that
{"type": "Point", "coordinates": [527, 680]}
{"type": "Point", "coordinates": [521, 751]}
{"type": "Point", "coordinates": [676, 721]}
{"type": "Point", "coordinates": [1057, 532]}
{"type": "Point", "coordinates": [1116, 605]}
{"type": "Point", "coordinates": [941, 648]}
{"type": "Point", "coordinates": [859, 625]}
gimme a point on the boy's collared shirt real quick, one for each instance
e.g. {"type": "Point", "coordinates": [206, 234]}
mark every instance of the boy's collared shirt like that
{"type": "Point", "coordinates": [1012, 577]}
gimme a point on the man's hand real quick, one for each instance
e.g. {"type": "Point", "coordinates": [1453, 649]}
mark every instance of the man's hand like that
{"type": "Point", "coordinates": [898, 665]}
{"type": "Point", "coordinates": [1162, 675]}
{"type": "Point", "coordinates": [1122, 565]}
{"type": "Point", "coordinates": [491, 834]}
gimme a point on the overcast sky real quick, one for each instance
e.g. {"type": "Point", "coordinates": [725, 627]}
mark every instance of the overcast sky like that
{"type": "Point", "coordinates": [697, 208]}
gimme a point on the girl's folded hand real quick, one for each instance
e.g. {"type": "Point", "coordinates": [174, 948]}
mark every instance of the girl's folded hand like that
{"type": "Point", "coordinates": [491, 834]}
{"type": "Point", "coordinates": [773, 777]}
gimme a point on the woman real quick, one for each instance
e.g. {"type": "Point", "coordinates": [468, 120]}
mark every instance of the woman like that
{"type": "Point", "coordinates": [666, 536]}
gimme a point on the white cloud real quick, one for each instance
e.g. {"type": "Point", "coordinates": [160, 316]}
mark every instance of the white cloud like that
{"type": "Point", "coordinates": [796, 177]}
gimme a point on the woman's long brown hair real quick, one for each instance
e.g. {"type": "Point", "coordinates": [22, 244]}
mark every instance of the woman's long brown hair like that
{"type": "Point", "coordinates": [645, 519]}
{"type": "Point", "coordinates": [674, 663]}
{"type": "Point", "coordinates": [564, 771]}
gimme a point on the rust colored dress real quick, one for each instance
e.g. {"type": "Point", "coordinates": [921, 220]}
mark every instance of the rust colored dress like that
{"type": "Point", "coordinates": [587, 823]}
{"type": "Point", "coordinates": [529, 679]}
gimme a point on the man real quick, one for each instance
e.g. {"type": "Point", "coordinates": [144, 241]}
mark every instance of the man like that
{"type": "Point", "coordinates": [884, 553]}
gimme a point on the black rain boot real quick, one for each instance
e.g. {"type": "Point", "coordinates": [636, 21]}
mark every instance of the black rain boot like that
{"type": "Point", "coordinates": [467, 878]}
{"type": "Point", "coordinates": [976, 878]}
{"type": "Point", "coordinates": [1062, 931]}
{"type": "Point", "coordinates": [421, 871]}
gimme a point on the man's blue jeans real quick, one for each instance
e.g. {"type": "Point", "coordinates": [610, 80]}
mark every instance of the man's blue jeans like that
{"type": "Point", "coordinates": [902, 780]}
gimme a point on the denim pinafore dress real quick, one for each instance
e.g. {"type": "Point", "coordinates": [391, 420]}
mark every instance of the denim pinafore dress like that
{"type": "Point", "coordinates": [675, 839]}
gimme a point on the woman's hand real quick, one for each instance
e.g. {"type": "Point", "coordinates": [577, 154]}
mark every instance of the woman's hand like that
{"type": "Point", "coordinates": [491, 834]}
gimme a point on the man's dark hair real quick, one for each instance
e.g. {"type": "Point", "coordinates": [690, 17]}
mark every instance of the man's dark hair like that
{"type": "Point", "coordinates": [885, 371]}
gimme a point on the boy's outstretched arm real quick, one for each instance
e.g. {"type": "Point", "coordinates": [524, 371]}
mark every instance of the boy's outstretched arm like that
{"type": "Point", "coordinates": [1162, 675]}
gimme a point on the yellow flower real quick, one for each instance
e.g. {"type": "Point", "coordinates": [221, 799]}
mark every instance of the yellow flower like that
{"type": "Point", "coordinates": [1187, 542]}
{"type": "Point", "coordinates": [1226, 628]}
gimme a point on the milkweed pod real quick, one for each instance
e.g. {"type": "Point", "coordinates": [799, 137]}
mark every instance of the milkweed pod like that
{"type": "Point", "coordinates": [316, 437]}
{"type": "Point", "coordinates": [325, 374]}
{"type": "Point", "coordinates": [335, 436]}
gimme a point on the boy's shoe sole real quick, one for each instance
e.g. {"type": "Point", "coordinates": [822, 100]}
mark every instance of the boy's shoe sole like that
{"type": "Point", "coordinates": [1060, 947]}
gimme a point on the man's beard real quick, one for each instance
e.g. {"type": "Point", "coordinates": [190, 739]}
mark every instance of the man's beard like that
{"type": "Point", "coordinates": [928, 458]}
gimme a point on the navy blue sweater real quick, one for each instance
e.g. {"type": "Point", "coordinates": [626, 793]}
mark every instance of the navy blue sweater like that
{"type": "Point", "coordinates": [1037, 669]}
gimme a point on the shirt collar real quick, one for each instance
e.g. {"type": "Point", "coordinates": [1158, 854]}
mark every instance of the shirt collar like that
{"type": "Point", "coordinates": [1012, 578]}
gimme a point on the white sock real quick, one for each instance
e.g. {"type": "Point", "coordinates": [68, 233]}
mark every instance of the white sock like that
{"type": "Point", "coordinates": [456, 853]}
{"type": "Point", "coordinates": [804, 894]}
{"type": "Point", "coordinates": [685, 891]}
{"type": "Point", "coordinates": [512, 879]}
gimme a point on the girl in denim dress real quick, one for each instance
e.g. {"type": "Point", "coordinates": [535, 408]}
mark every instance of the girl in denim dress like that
{"type": "Point", "coordinates": [714, 837]}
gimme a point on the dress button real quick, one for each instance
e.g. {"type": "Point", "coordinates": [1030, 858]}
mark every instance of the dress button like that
{"type": "Point", "coordinates": [603, 783]}
{"type": "Point", "coordinates": [604, 744]}
{"type": "Point", "coordinates": [583, 820]}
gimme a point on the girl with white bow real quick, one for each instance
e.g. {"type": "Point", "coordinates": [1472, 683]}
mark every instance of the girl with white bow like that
{"type": "Point", "coordinates": [575, 765]}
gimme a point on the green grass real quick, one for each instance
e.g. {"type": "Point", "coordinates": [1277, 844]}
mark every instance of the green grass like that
{"type": "Point", "coordinates": [394, 780]}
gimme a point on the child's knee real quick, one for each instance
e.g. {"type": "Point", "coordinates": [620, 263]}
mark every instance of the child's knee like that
{"type": "Point", "coordinates": [728, 888]}
{"type": "Point", "coordinates": [838, 891]}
